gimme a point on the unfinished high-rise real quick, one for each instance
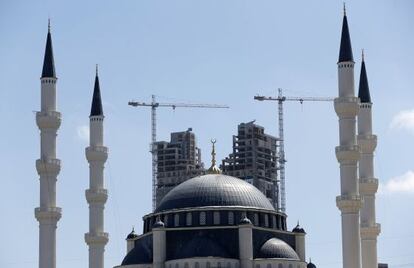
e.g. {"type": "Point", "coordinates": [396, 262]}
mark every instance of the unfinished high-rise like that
{"type": "Point", "coordinates": [177, 161]}
{"type": "Point", "coordinates": [254, 159]}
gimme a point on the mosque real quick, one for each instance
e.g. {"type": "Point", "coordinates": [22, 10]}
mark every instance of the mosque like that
{"type": "Point", "coordinates": [214, 220]}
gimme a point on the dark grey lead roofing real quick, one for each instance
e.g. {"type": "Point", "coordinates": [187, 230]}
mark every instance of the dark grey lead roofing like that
{"type": "Point", "coordinates": [214, 190]}
{"type": "Point", "coordinates": [363, 93]}
{"type": "Point", "coordinates": [96, 108]}
{"type": "Point", "coordinates": [276, 248]}
{"type": "Point", "coordinates": [48, 62]}
{"type": "Point", "coordinates": [345, 51]}
{"type": "Point", "coordinates": [298, 229]}
{"type": "Point", "coordinates": [310, 265]}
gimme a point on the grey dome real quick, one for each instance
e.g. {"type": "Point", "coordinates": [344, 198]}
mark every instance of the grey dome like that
{"type": "Point", "coordinates": [214, 190]}
{"type": "Point", "coordinates": [276, 248]}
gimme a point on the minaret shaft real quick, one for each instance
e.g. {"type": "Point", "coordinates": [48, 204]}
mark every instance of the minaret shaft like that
{"type": "Point", "coordinates": [48, 167]}
{"type": "Point", "coordinates": [368, 183]}
{"type": "Point", "coordinates": [346, 106]}
{"type": "Point", "coordinates": [96, 195]}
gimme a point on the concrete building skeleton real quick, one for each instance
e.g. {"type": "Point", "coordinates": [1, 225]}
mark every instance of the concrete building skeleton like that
{"type": "Point", "coordinates": [254, 159]}
{"type": "Point", "coordinates": [177, 161]}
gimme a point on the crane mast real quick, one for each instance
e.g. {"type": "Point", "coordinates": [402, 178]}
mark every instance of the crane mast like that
{"type": "Point", "coordinates": [153, 150]}
{"type": "Point", "coordinates": [281, 182]}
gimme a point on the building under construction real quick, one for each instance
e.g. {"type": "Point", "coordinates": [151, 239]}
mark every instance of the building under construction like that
{"type": "Point", "coordinates": [177, 161]}
{"type": "Point", "coordinates": [254, 159]}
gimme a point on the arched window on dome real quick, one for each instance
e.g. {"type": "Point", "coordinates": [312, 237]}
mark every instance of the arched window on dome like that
{"type": "Point", "coordinates": [165, 220]}
{"type": "Point", "coordinates": [266, 220]}
{"type": "Point", "coordinates": [280, 265]}
{"type": "Point", "coordinates": [208, 265]}
{"type": "Point", "coordinates": [202, 218]}
{"type": "Point", "coordinates": [290, 266]}
{"type": "Point", "coordinates": [269, 265]}
{"type": "Point", "coordinates": [186, 265]}
{"type": "Point", "coordinates": [231, 218]}
{"type": "Point", "coordinates": [219, 265]}
{"type": "Point", "coordinates": [176, 220]}
{"type": "Point", "coordinates": [216, 218]}
{"type": "Point", "coordinates": [197, 265]}
{"type": "Point", "coordinates": [189, 219]}
{"type": "Point", "coordinates": [176, 265]}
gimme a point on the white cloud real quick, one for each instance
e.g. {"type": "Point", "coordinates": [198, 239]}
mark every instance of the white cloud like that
{"type": "Point", "coordinates": [403, 120]}
{"type": "Point", "coordinates": [83, 133]}
{"type": "Point", "coordinates": [399, 184]}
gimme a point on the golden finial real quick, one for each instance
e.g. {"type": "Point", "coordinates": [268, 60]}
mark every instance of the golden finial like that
{"type": "Point", "coordinates": [213, 169]}
{"type": "Point", "coordinates": [344, 9]}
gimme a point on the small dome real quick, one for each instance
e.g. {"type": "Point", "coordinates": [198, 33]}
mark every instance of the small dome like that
{"type": "Point", "coordinates": [214, 190]}
{"type": "Point", "coordinates": [158, 224]}
{"type": "Point", "coordinates": [132, 235]}
{"type": "Point", "coordinates": [311, 265]}
{"type": "Point", "coordinates": [278, 249]}
{"type": "Point", "coordinates": [245, 220]}
{"type": "Point", "coordinates": [298, 229]}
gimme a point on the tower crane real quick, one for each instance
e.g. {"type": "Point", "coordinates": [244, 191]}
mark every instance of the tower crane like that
{"type": "Point", "coordinates": [282, 160]}
{"type": "Point", "coordinates": [154, 105]}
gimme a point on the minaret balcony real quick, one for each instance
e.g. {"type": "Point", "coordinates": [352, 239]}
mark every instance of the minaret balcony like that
{"type": "Point", "coordinates": [96, 195]}
{"type": "Point", "coordinates": [370, 231]}
{"type": "Point", "coordinates": [96, 238]}
{"type": "Point", "coordinates": [48, 166]}
{"type": "Point", "coordinates": [96, 153]}
{"type": "Point", "coordinates": [349, 203]}
{"type": "Point", "coordinates": [368, 185]}
{"type": "Point", "coordinates": [346, 107]}
{"type": "Point", "coordinates": [48, 119]}
{"type": "Point", "coordinates": [347, 153]}
{"type": "Point", "coordinates": [367, 143]}
{"type": "Point", "coordinates": [48, 214]}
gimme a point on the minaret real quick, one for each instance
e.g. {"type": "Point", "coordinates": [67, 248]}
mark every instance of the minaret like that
{"type": "Point", "coordinates": [347, 153]}
{"type": "Point", "coordinates": [48, 166]}
{"type": "Point", "coordinates": [368, 185]}
{"type": "Point", "coordinates": [96, 195]}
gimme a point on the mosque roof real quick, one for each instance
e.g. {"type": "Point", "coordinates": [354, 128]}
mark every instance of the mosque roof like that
{"type": "Point", "coordinates": [214, 190]}
{"type": "Point", "coordinates": [48, 61]}
{"type": "Point", "coordinates": [276, 248]}
{"type": "Point", "coordinates": [345, 50]}
{"type": "Point", "coordinates": [96, 107]}
{"type": "Point", "coordinates": [363, 92]}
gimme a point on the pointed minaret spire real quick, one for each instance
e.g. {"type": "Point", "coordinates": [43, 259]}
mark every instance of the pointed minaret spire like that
{"type": "Point", "coordinates": [363, 92]}
{"type": "Point", "coordinates": [48, 62]}
{"type": "Point", "coordinates": [96, 108]}
{"type": "Point", "coordinates": [345, 50]}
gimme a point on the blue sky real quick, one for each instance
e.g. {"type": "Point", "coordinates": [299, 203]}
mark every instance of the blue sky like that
{"type": "Point", "coordinates": [221, 52]}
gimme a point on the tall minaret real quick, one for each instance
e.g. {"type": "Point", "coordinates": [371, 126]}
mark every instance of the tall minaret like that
{"type": "Point", "coordinates": [368, 185]}
{"type": "Point", "coordinates": [347, 153]}
{"type": "Point", "coordinates": [48, 166]}
{"type": "Point", "coordinates": [96, 195]}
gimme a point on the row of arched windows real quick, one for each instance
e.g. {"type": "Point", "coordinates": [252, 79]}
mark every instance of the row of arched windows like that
{"type": "Point", "coordinates": [230, 265]}
{"type": "Point", "coordinates": [219, 218]}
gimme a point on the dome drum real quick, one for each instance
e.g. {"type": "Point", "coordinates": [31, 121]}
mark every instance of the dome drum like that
{"type": "Point", "coordinates": [213, 216]}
